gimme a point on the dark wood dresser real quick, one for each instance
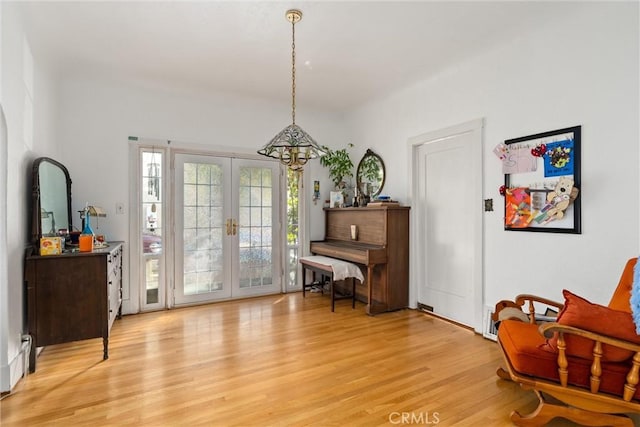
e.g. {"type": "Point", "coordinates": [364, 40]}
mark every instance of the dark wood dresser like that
{"type": "Point", "coordinates": [73, 296]}
{"type": "Point", "coordinates": [381, 249]}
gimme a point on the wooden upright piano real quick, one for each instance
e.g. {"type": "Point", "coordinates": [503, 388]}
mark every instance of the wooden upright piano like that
{"type": "Point", "coordinates": [381, 249]}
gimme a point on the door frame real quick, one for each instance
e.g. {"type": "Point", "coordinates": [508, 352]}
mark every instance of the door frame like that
{"type": "Point", "coordinates": [133, 295]}
{"type": "Point", "coordinates": [476, 128]}
{"type": "Point", "coordinates": [6, 380]}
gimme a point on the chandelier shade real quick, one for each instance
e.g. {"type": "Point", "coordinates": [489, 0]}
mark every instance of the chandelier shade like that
{"type": "Point", "coordinates": [293, 146]}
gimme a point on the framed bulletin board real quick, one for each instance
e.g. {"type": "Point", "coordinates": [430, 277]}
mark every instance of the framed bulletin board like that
{"type": "Point", "coordinates": [542, 182]}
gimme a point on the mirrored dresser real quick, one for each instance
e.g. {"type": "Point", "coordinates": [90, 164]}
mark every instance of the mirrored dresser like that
{"type": "Point", "coordinates": [70, 295]}
{"type": "Point", "coordinates": [73, 296]}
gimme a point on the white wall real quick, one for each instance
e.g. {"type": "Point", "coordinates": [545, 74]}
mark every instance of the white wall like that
{"type": "Point", "coordinates": [563, 75]}
{"type": "Point", "coordinates": [97, 115]}
{"type": "Point", "coordinates": [22, 77]}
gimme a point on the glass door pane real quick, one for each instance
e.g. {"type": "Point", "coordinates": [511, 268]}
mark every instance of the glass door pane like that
{"type": "Point", "coordinates": [152, 226]}
{"type": "Point", "coordinates": [202, 243]}
{"type": "Point", "coordinates": [258, 242]}
{"type": "Point", "coordinates": [227, 235]}
{"type": "Point", "coordinates": [294, 198]}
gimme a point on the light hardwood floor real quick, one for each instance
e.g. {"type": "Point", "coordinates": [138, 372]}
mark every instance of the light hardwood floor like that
{"type": "Point", "coordinates": [271, 361]}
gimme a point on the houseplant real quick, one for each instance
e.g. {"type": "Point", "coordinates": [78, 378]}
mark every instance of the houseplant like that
{"type": "Point", "coordinates": [339, 164]}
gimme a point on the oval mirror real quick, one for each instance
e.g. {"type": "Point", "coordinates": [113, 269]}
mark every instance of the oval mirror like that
{"type": "Point", "coordinates": [51, 199]}
{"type": "Point", "coordinates": [370, 174]}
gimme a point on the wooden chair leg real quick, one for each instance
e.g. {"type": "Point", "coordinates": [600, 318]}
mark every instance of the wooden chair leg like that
{"type": "Point", "coordinates": [546, 411]}
{"type": "Point", "coordinates": [503, 374]}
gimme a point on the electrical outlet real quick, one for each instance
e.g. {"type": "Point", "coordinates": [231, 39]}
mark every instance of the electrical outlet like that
{"type": "Point", "coordinates": [119, 208]}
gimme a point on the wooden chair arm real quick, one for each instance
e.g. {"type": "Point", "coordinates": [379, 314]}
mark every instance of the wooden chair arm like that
{"type": "Point", "coordinates": [633, 374]}
{"type": "Point", "coordinates": [519, 302]}
{"type": "Point", "coordinates": [547, 330]}
{"type": "Point", "coordinates": [521, 299]}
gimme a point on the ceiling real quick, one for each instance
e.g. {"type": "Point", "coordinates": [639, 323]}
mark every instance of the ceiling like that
{"type": "Point", "coordinates": [347, 52]}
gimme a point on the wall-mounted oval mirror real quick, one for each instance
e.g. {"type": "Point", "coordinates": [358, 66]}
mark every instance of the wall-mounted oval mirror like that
{"type": "Point", "coordinates": [51, 197]}
{"type": "Point", "coordinates": [370, 174]}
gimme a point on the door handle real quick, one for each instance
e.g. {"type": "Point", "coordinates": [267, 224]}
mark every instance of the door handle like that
{"type": "Point", "coordinates": [232, 227]}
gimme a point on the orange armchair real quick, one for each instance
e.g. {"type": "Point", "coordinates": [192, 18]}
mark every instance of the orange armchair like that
{"type": "Point", "coordinates": [587, 361]}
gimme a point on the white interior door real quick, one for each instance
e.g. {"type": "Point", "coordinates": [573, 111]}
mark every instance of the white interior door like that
{"type": "Point", "coordinates": [448, 187]}
{"type": "Point", "coordinates": [226, 228]}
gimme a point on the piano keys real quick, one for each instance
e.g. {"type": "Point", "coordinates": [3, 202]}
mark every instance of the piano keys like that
{"type": "Point", "coordinates": [381, 250]}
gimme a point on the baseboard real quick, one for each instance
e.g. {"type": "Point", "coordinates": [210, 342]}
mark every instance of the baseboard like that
{"type": "Point", "coordinates": [16, 369]}
{"type": "Point", "coordinates": [5, 382]}
{"type": "Point", "coordinates": [446, 319]}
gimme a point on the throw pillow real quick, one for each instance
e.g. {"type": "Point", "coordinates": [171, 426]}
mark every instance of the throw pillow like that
{"type": "Point", "coordinates": [580, 313]}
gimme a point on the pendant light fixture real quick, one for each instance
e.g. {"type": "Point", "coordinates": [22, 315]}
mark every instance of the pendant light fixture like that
{"type": "Point", "coordinates": [292, 145]}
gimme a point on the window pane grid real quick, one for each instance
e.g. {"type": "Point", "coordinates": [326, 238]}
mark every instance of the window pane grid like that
{"type": "Point", "coordinates": [202, 224]}
{"type": "Point", "coordinates": [151, 224]}
{"type": "Point", "coordinates": [293, 228]}
{"type": "Point", "coordinates": [255, 240]}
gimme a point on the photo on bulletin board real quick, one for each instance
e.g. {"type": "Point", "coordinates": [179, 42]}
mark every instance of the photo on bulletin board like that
{"type": "Point", "coordinates": [542, 182]}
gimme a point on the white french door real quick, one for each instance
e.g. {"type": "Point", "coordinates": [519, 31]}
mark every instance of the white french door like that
{"type": "Point", "coordinates": [227, 232]}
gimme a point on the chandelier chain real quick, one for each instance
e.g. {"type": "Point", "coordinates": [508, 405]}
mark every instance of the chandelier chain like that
{"type": "Point", "coordinates": [293, 146]}
{"type": "Point", "coordinates": [293, 72]}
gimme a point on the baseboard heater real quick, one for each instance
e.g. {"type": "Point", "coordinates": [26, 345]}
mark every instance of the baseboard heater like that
{"type": "Point", "coordinates": [490, 330]}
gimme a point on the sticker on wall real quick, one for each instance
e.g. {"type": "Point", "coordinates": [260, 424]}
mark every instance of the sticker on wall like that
{"type": "Point", "coordinates": [316, 190]}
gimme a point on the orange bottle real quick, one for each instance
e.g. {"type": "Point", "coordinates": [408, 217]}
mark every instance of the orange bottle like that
{"type": "Point", "coordinates": [86, 242]}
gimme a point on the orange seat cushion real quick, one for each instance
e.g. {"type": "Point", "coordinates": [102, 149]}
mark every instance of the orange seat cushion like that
{"type": "Point", "coordinates": [580, 313]}
{"type": "Point", "coordinates": [521, 343]}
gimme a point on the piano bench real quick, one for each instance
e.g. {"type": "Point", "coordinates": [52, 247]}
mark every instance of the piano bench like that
{"type": "Point", "coordinates": [325, 270]}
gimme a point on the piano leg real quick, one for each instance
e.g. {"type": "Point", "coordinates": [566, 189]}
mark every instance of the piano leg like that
{"type": "Point", "coordinates": [369, 289]}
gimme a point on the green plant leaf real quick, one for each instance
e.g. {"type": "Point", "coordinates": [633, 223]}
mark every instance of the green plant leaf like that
{"type": "Point", "coordinates": [339, 164]}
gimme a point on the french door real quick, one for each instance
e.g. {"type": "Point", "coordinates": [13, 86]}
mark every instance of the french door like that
{"type": "Point", "coordinates": [227, 231]}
